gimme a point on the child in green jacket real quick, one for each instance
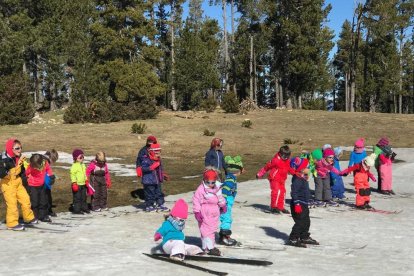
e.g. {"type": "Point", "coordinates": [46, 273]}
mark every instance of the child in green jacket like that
{"type": "Point", "coordinates": [79, 181]}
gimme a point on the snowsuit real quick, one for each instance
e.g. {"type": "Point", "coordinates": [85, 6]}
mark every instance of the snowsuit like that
{"type": "Point", "coordinates": [215, 158]}
{"type": "Point", "coordinates": [11, 174]}
{"type": "Point", "coordinates": [208, 202]}
{"type": "Point", "coordinates": [378, 151]}
{"type": "Point", "coordinates": [78, 176]}
{"type": "Point", "coordinates": [363, 190]}
{"type": "Point", "coordinates": [143, 153]}
{"type": "Point", "coordinates": [173, 238]}
{"type": "Point", "coordinates": [100, 180]}
{"type": "Point", "coordinates": [300, 194]}
{"type": "Point", "coordinates": [37, 191]}
{"type": "Point", "coordinates": [323, 180]}
{"type": "Point", "coordinates": [337, 182]}
{"type": "Point", "coordinates": [385, 169]}
{"type": "Point", "coordinates": [152, 181]}
{"type": "Point", "coordinates": [278, 171]}
{"type": "Point", "coordinates": [229, 191]}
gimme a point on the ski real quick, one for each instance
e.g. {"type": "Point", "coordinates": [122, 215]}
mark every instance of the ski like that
{"type": "Point", "coordinates": [250, 247]}
{"type": "Point", "coordinates": [166, 258]}
{"type": "Point", "coordinates": [45, 229]}
{"type": "Point", "coordinates": [230, 260]}
{"type": "Point", "coordinates": [373, 210]}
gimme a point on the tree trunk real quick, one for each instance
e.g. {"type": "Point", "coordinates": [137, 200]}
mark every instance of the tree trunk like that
{"type": "Point", "coordinates": [255, 77]}
{"type": "Point", "coordinates": [276, 92]}
{"type": "Point", "coordinates": [226, 47]}
{"type": "Point", "coordinates": [233, 60]}
{"type": "Point", "coordinates": [53, 93]}
{"type": "Point", "coordinates": [173, 96]}
{"type": "Point", "coordinates": [251, 68]}
{"type": "Point", "coordinates": [281, 100]}
{"type": "Point", "coordinates": [300, 102]}
{"type": "Point", "coordinates": [346, 92]}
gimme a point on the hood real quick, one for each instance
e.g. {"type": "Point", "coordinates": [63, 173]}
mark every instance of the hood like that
{"type": "Point", "coordinates": [9, 147]}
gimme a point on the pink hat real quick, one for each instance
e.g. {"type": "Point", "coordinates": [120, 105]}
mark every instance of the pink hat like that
{"type": "Point", "coordinates": [360, 143]}
{"type": "Point", "coordinates": [180, 209]}
{"type": "Point", "coordinates": [328, 152]}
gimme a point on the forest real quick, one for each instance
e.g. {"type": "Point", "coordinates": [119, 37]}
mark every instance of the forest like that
{"type": "Point", "coordinates": [106, 61]}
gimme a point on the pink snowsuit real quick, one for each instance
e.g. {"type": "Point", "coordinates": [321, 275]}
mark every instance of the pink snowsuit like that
{"type": "Point", "coordinates": [208, 202]}
{"type": "Point", "coordinates": [385, 172]}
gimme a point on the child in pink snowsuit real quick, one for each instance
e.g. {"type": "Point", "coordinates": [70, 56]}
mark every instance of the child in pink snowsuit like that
{"type": "Point", "coordinates": [385, 169]}
{"type": "Point", "coordinates": [208, 203]}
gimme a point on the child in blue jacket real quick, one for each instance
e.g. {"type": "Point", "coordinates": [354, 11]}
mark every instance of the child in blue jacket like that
{"type": "Point", "coordinates": [229, 191]}
{"type": "Point", "coordinates": [171, 233]}
{"type": "Point", "coordinates": [337, 183]}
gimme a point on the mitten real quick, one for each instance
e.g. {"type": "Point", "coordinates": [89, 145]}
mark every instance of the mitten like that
{"type": "Point", "coordinates": [157, 236]}
{"type": "Point", "coordinates": [223, 209]}
{"type": "Point", "coordinates": [166, 177]}
{"type": "Point", "coordinates": [260, 173]}
{"type": "Point", "coordinates": [139, 171]}
{"type": "Point", "coordinates": [198, 217]}
{"type": "Point", "coordinates": [75, 187]}
{"type": "Point", "coordinates": [298, 208]}
{"type": "Point", "coordinates": [154, 165]}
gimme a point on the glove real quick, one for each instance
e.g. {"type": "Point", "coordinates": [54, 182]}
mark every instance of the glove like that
{"type": "Point", "coordinates": [139, 171]}
{"type": "Point", "coordinates": [166, 177]}
{"type": "Point", "coordinates": [260, 173]}
{"type": "Point", "coordinates": [298, 208]}
{"type": "Point", "coordinates": [157, 236]}
{"type": "Point", "coordinates": [109, 185]}
{"type": "Point", "coordinates": [154, 165]}
{"type": "Point", "coordinates": [198, 217]}
{"type": "Point", "coordinates": [223, 209]}
{"type": "Point", "coordinates": [75, 187]}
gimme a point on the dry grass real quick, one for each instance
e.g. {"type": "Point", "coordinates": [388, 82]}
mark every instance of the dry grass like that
{"type": "Point", "coordinates": [184, 145]}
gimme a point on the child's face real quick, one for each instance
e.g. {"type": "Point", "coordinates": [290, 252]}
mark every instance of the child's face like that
{"type": "Point", "coordinates": [80, 158]}
{"type": "Point", "coordinates": [210, 183]}
{"type": "Point", "coordinates": [17, 149]}
{"type": "Point", "coordinates": [330, 159]}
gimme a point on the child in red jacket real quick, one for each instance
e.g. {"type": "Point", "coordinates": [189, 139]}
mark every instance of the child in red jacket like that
{"type": "Point", "coordinates": [278, 168]}
{"type": "Point", "coordinates": [362, 173]}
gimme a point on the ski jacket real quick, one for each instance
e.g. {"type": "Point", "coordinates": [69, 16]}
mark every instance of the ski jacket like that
{"type": "Point", "coordinates": [300, 192]}
{"type": "Point", "coordinates": [323, 168]}
{"type": "Point", "coordinates": [356, 158]}
{"type": "Point", "coordinates": [78, 173]}
{"type": "Point", "coordinates": [36, 178]}
{"type": "Point", "coordinates": [149, 176]}
{"type": "Point", "coordinates": [215, 158]}
{"type": "Point", "coordinates": [208, 202]}
{"type": "Point", "coordinates": [229, 187]}
{"type": "Point", "coordinates": [169, 231]}
{"type": "Point", "coordinates": [10, 167]}
{"type": "Point", "coordinates": [140, 156]}
{"type": "Point", "coordinates": [278, 169]}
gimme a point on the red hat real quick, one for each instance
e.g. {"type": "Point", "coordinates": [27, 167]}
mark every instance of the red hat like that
{"type": "Point", "coordinates": [328, 152]}
{"type": "Point", "coordinates": [383, 142]}
{"type": "Point", "coordinates": [299, 164]}
{"type": "Point", "coordinates": [76, 153]}
{"type": "Point", "coordinates": [180, 209]}
{"type": "Point", "coordinates": [210, 175]}
{"type": "Point", "coordinates": [9, 146]}
{"type": "Point", "coordinates": [152, 139]}
{"type": "Point", "coordinates": [155, 147]}
{"type": "Point", "coordinates": [216, 142]}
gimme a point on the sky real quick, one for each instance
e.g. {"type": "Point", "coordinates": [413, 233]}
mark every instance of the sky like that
{"type": "Point", "coordinates": [341, 10]}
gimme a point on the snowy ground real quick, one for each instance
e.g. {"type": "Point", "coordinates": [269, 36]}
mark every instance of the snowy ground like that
{"type": "Point", "coordinates": [111, 243]}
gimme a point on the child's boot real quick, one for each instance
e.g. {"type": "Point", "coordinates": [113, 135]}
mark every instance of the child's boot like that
{"type": "Point", "coordinates": [309, 240]}
{"type": "Point", "coordinates": [177, 257]}
{"type": "Point", "coordinates": [225, 238]}
{"type": "Point", "coordinates": [296, 243]}
{"type": "Point", "coordinates": [214, 252]}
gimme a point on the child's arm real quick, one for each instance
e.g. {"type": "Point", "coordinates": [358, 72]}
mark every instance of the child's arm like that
{"type": "Point", "coordinates": [263, 170]}
{"type": "Point", "coordinates": [73, 171]}
{"type": "Point", "coordinates": [89, 169]}
{"type": "Point", "coordinates": [350, 169]}
{"type": "Point", "coordinates": [197, 200]}
{"type": "Point", "coordinates": [384, 160]}
{"type": "Point", "coordinates": [107, 177]}
{"type": "Point", "coordinates": [371, 176]}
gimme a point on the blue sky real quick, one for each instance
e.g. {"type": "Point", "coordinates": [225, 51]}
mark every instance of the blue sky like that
{"type": "Point", "coordinates": [341, 10]}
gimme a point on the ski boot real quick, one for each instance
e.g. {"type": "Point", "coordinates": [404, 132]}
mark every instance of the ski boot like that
{"type": "Point", "coordinates": [285, 211]}
{"type": "Point", "coordinates": [332, 203]}
{"type": "Point", "coordinates": [296, 243]}
{"type": "Point", "coordinates": [309, 240]}
{"type": "Point", "coordinates": [177, 257]}
{"type": "Point", "coordinates": [275, 211]}
{"type": "Point", "coordinates": [225, 238]}
{"type": "Point", "coordinates": [214, 252]}
{"type": "Point", "coordinates": [367, 206]}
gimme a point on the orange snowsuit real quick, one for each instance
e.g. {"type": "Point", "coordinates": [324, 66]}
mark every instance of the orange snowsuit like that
{"type": "Point", "coordinates": [362, 187]}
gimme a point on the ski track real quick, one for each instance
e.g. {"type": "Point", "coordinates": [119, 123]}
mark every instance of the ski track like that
{"type": "Point", "coordinates": [111, 242]}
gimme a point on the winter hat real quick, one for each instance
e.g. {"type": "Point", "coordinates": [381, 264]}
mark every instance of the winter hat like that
{"type": "Point", "coordinates": [370, 160]}
{"type": "Point", "coordinates": [152, 149]}
{"type": "Point", "coordinates": [180, 209]}
{"type": "Point", "coordinates": [155, 147]}
{"type": "Point", "coordinates": [328, 152]}
{"type": "Point", "coordinates": [216, 142]}
{"type": "Point", "coordinates": [338, 151]}
{"type": "Point", "coordinates": [210, 175]}
{"type": "Point", "coordinates": [317, 154]}
{"type": "Point", "coordinates": [360, 143]}
{"type": "Point", "coordinates": [9, 146]}
{"type": "Point", "coordinates": [152, 139]}
{"type": "Point", "coordinates": [326, 146]}
{"type": "Point", "coordinates": [76, 153]}
{"type": "Point", "coordinates": [234, 164]}
{"type": "Point", "coordinates": [298, 163]}
{"type": "Point", "coordinates": [383, 142]}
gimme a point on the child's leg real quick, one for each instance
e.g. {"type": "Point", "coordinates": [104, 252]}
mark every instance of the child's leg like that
{"type": "Point", "coordinates": [104, 196]}
{"type": "Point", "coordinates": [24, 200]}
{"type": "Point", "coordinates": [174, 247]}
{"type": "Point", "coordinates": [226, 218]}
{"type": "Point", "coordinates": [318, 188]}
{"type": "Point", "coordinates": [305, 223]}
{"type": "Point", "coordinates": [96, 196]}
{"type": "Point", "coordinates": [84, 203]}
{"type": "Point", "coordinates": [297, 227]}
{"type": "Point", "coordinates": [43, 204]}
{"type": "Point", "coordinates": [77, 201]}
{"type": "Point", "coordinates": [192, 249]}
{"type": "Point", "coordinates": [273, 194]}
{"type": "Point", "coordinates": [149, 192]}
{"type": "Point", "coordinates": [10, 197]}
{"type": "Point", "coordinates": [327, 194]}
{"type": "Point", "coordinates": [34, 195]}
{"type": "Point", "coordinates": [280, 199]}
{"type": "Point", "coordinates": [49, 201]}
{"type": "Point", "coordinates": [159, 195]}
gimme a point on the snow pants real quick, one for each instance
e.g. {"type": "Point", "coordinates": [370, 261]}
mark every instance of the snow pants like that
{"type": "Point", "coordinates": [153, 195]}
{"type": "Point", "coordinates": [14, 192]}
{"type": "Point", "coordinates": [174, 247]}
{"type": "Point", "coordinates": [208, 227]}
{"type": "Point", "coordinates": [323, 188]}
{"type": "Point", "coordinates": [386, 177]}
{"type": "Point", "coordinates": [79, 200]}
{"type": "Point", "coordinates": [337, 188]}
{"type": "Point", "coordinates": [362, 189]}
{"type": "Point", "coordinates": [39, 201]}
{"type": "Point", "coordinates": [300, 229]}
{"type": "Point", "coordinates": [277, 195]}
{"type": "Point", "coordinates": [99, 198]}
{"type": "Point", "coordinates": [226, 218]}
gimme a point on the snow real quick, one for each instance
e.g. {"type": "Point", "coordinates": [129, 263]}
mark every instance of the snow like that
{"type": "Point", "coordinates": [112, 242]}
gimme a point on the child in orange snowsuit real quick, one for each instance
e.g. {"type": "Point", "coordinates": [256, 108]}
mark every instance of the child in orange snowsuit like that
{"type": "Point", "coordinates": [362, 173]}
{"type": "Point", "coordinates": [279, 168]}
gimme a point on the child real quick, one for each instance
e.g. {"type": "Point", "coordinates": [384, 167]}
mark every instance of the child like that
{"type": "Point", "coordinates": [215, 157]}
{"type": "Point", "coordinates": [171, 233]}
{"type": "Point", "coordinates": [278, 168]}
{"type": "Point", "coordinates": [380, 148]}
{"type": "Point", "coordinates": [144, 152]}
{"type": "Point", "coordinates": [208, 203]}
{"type": "Point", "coordinates": [385, 168]}
{"type": "Point", "coordinates": [11, 174]}
{"type": "Point", "coordinates": [98, 175]}
{"type": "Point", "coordinates": [337, 183]}
{"type": "Point", "coordinates": [359, 152]}
{"type": "Point", "coordinates": [361, 183]}
{"type": "Point", "coordinates": [323, 167]}
{"type": "Point", "coordinates": [79, 181]}
{"type": "Point", "coordinates": [152, 178]}
{"type": "Point", "coordinates": [50, 157]}
{"type": "Point", "coordinates": [229, 191]}
{"type": "Point", "coordinates": [36, 172]}
{"type": "Point", "coordinates": [300, 194]}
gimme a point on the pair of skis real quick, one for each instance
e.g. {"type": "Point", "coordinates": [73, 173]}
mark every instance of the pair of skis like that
{"type": "Point", "coordinates": [166, 258]}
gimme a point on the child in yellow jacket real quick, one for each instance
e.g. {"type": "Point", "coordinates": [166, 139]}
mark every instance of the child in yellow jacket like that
{"type": "Point", "coordinates": [79, 182]}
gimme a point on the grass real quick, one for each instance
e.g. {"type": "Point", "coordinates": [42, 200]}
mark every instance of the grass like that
{"type": "Point", "coordinates": [184, 145]}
